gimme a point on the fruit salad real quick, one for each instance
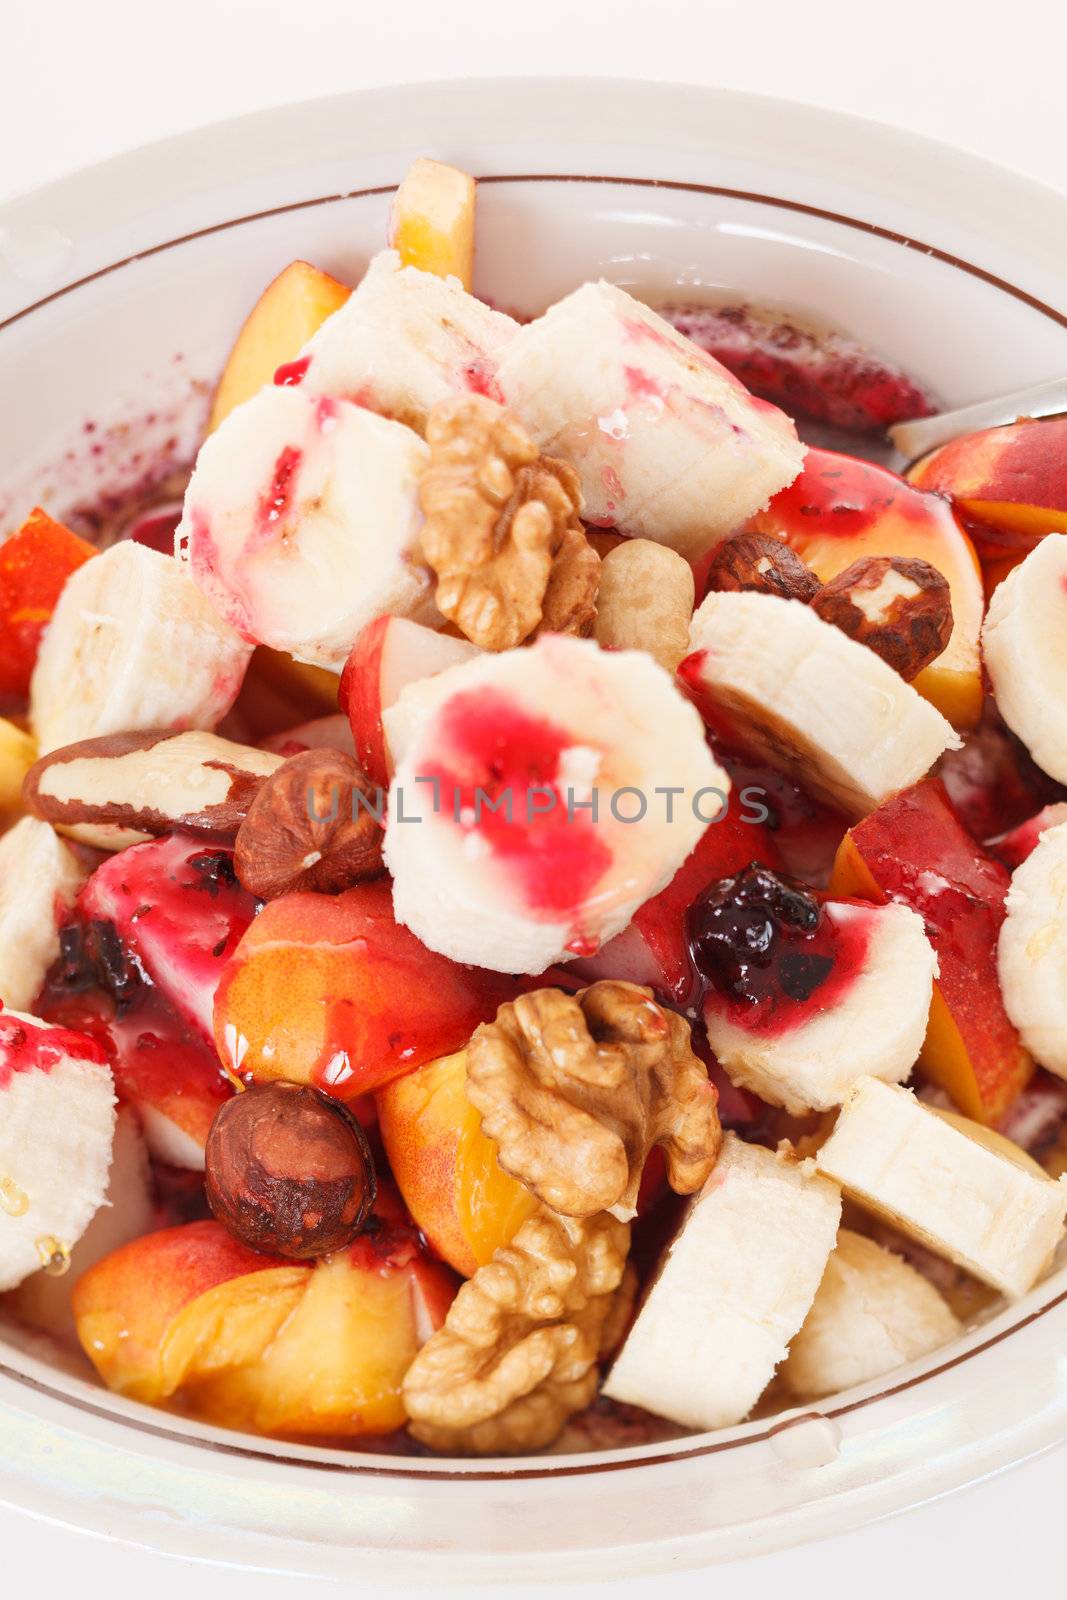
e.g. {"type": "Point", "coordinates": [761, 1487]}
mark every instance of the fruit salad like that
{"type": "Point", "coordinates": [533, 904]}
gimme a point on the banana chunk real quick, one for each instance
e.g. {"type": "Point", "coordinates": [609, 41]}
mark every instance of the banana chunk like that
{"type": "Point", "coordinates": [874, 1028]}
{"type": "Point", "coordinates": [668, 444]}
{"type": "Point", "coordinates": [1032, 954]}
{"type": "Point", "coordinates": [404, 340]}
{"type": "Point", "coordinates": [133, 644]}
{"type": "Point", "coordinates": [811, 701]}
{"type": "Point", "coordinates": [967, 1194]}
{"type": "Point", "coordinates": [1024, 644]}
{"type": "Point", "coordinates": [736, 1285]}
{"type": "Point", "coordinates": [57, 1121]}
{"type": "Point", "coordinates": [301, 523]}
{"type": "Point", "coordinates": [540, 796]}
{"type": "Point", "coordinates": [873, 1312]}
{"type": "Point", "coordinates": [39, 878]}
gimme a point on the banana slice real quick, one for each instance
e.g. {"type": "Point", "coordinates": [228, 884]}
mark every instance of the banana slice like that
{"type": "Point", "coordinates": [128, 1211]}
{"type": "Point", "coordinates": [734, 1288]}
{"type": "Point", "coordinates": [133, 645]}
{"type": "Point", "coordinates": [966, 1194]}
{"type": "Point", "coordinates": [810, 701]}
{"type": "Point", "coordinates": [39, 878]}
{"type": "Point", "coordinates": [873, 1027]}
{"type": "Point", "coordinates": [1032, 954]}
{"type": "Point", "coordinates": [540, 796]}
{"type": "Point", "coordinates": [405, 340]}
{"type": "Point", "coordinates": [301, 523]}
{"type": "Point", "coordinates": [1024, 644]}
{"type": "Point", "coordinates": [57, 1119]}
{"type": "Point", "coordinates": [668, 444]}
{"type": "Point", "coordinates": [873, 1312]}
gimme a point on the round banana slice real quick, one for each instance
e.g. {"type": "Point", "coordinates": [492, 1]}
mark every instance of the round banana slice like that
{"type": "Point", "coordinates": [872, 1312]}
{"type": "Point", "coordinates": [1024, 643]}
{"type": "Point", "coordinates": [1032, 954]}
{"type": "Point", "coordinates": [133, 645]}
{"type": "Point", "coordinates": [39, 877]}
{"type": "Point", "coordinates": [811, 701]}
{"type": "Point", "coordinates": [301, 523]}
{"type": "Point", "coordinates": [872, 1023]}
{"type": "Point", "coordinates": [540, 796]}
{"type": "Point", "coordinates": [57, 1121]}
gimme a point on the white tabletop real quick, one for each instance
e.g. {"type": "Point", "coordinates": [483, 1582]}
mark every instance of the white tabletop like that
{"type": "Point", "coordinates": [84, 81]}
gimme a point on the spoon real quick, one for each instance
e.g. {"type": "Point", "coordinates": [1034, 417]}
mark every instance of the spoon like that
{"type": "Point", "coordinates": [917, 438]}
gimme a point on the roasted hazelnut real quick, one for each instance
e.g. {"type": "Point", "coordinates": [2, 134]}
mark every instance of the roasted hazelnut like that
{"type": "Point", "coordinates": [758, 562]}
{"type": "Point", "coordinates": [289, 1171]}
{"type": "Point", "coordinates": [315, 824]}
{"type": "Point", "coordinates": [898, 606]}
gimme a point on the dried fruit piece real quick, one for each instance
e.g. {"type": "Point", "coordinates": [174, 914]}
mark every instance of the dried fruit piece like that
{"type": "Point", "coordinates": [576, 1090]}
{"type": "Point", "coordinates": [898, 606]}
{"type": "Point", "coordinates": [518, 1352]}
{"type": "Point", "coordinates": [288, 1171]}
{"type": "Point", "coordinates": [645, 601]}
{"type": "Point", "coordinates": [314, 825]}
{"type": "Point", "coordinates": [502, 530]}
{"type": "Point", "coordinates": [758, 562]}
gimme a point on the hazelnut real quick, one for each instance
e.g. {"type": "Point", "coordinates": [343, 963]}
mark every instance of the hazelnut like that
{"type": "Point", "coordinates": [758, 562]}
{"type": "Point", "coordinates": [288, 1170]}
{"type": "Point", "coordinates": [899, 606]}
{"type": "Point", "coordinates": [315, 824]}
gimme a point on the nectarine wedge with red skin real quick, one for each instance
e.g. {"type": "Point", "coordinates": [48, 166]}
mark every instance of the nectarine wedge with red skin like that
{"type": "Point", "coordinates": [914, 849]}
{"type": "Point", "coordinates": [1008, 483]}
{"type": "Point", "coordinates": [840, 509]}
{"type": "Point", "coordinates": [331, 990]}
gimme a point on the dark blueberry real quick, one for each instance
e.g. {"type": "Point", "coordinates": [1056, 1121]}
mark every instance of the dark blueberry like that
{"type": "Point", "coordinates": [214, 868]}
{"type": "Point", "coordinates": [735, 932]}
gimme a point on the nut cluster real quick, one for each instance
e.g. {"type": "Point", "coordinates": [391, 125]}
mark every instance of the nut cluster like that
{"type": "Point", "coordinates": [517, 1355]}
{"type": "Point", "coordinates": [575, 1090]}
{"type": "Point", "coordinates": [898, 606]}
{"type": "Point", "coordinates": [288, 1171]}
{"type": "Point", "coordinates": [502, 529]}
{"type": "Point", "coordinates": [314, 824]}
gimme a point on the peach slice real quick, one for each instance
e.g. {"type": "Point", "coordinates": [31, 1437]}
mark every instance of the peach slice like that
{"type": "Point", "coordinates": [840, 509]}
{"type": "Point", "coordinates": [914, 850]}
{"type": "Point", "coordinates": [1009, 483]}
{"type": "Point", "coordinates": [330, 990]}
{"type": "Point", "coordinates": [248, 1341]}
{"type": "Point", "coordinates": [432, 222]}
{"type": "Point", "coordinates": [446, 1168]}
{"type": "Point", "coordinates": [292, 307]}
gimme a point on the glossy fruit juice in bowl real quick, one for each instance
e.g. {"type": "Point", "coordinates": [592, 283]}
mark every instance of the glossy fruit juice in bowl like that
{"type": "Point", "coordinates": [728, 242]}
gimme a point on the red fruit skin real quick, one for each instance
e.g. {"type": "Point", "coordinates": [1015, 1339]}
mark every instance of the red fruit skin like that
{"type": "Point", "coordinates": [825, 375]}
{"type": "Point", "coordinates": [915, 850]}
{"type": "Point", "coordinates": [361, 703]}
{"type": "Point", "coordinates": [35, 563]}
{"type": "Point", "coordinates": [331, 990]}
{"type": "Point", "coordinates": [1013, 847]}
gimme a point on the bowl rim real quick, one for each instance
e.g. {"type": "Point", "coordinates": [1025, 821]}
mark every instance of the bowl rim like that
{"type": "Point", "coordinates": [663, 99]}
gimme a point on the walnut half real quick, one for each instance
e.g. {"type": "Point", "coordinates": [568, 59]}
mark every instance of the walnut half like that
{"type": "Point", "coordinates": [502, 530]}
{"type": "Point", "coordinates": [576, 1089]}
{"type": "Point", "coordinates": [517, 1355]}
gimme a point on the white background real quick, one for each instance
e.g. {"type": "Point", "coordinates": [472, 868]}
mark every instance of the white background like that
{"type": "Point", "coordinates": [86, 78]}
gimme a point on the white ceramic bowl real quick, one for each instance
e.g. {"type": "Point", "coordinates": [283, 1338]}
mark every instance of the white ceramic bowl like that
{"type": "Point", "coordinates": [122, 288]}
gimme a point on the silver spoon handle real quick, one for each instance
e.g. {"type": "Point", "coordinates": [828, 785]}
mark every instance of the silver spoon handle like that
{"type": "Point", "coordinates": [915, 439]}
